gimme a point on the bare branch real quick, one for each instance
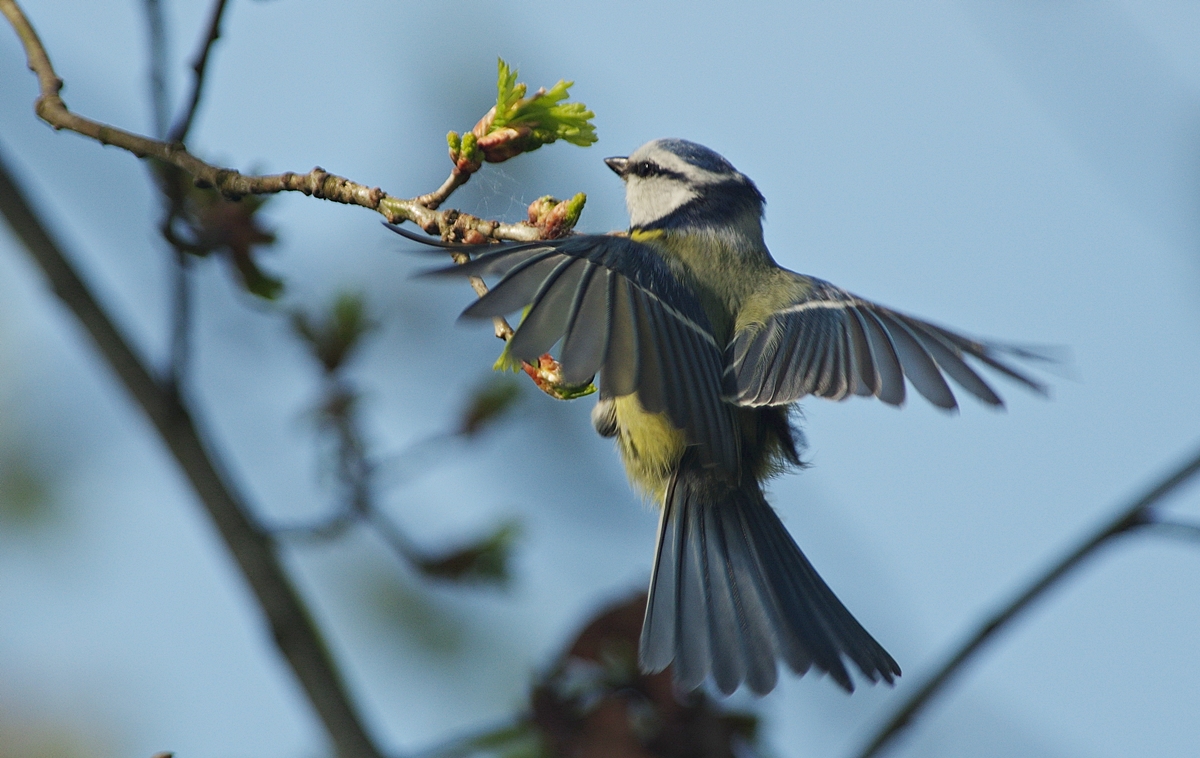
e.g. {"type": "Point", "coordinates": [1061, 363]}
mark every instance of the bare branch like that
{"type": "Point", "coordinates": [292, 629]}
{"type": "Point", "coordinates": [181, 320]}
{"type": "Point", "coordinates": [332, 340]}
{"type": "Point", "coordinates": [1135, 515]}
{"type": "Point", "coordinates": [182, 126]}
{"type": "Point", "coordinates": [1179, 529]}
{"type": "Point", "coordinates": [437, 197]}
{"type": "Point", "coordinates": [158, 65]}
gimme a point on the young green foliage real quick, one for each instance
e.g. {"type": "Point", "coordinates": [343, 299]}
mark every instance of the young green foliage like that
{"type": "Point", "coordinates": [545, 113]}
{"type": "Point", "coordinates": [556, 218]}
{"type": "Point", "coordinates": [518, 124]}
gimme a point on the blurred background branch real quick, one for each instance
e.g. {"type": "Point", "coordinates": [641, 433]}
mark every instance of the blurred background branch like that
{"type": "Point", "coordinates": [156, 37]}
{"type": "Point", "coordinates": [170, 179]}
{"type": "Point", "coordinates": [1141, 514]}
{"type": "Point", "coordinates": [332, 340]}
{"type": "Point", "coordinates": [183, 124]}
{"type": "Point", "coordinates": [291, 626]}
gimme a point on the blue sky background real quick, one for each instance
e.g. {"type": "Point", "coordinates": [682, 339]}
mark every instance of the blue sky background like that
{"type": "Point", "coordinates": [1024, 171]}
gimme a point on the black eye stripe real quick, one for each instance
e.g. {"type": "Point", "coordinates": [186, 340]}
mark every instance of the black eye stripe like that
{"type": "Point", "coordinates": [645, 169]}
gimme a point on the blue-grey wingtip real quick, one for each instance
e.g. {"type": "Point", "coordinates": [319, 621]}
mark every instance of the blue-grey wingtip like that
{"type": "Point", "coordinates": [422, 238]}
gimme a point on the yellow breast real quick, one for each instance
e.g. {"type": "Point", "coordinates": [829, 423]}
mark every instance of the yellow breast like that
{"type": "Point", "coordinates": [650, 446]}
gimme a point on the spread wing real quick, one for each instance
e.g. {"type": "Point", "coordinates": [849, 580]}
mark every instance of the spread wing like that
{"type": "Point", "coordinates": [619, 312]}
{"type": "Point", "coordinates": [833, 344]}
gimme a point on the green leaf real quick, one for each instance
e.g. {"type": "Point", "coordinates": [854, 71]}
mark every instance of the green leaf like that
{"type": "Point", "coordinates": [506, 362]}
{"type": "Point", "coordinates": [469, 148]}
{"type": "Point", "coordinates": [508, 92]}
{"type": "Point", "coordinates": [554, 119]}
{"type": "Point", "coordinates": [572, 392]}
{"type": "Point", "coordinates": [547, 113]}
{"type": "Point", "coordinates": [575, 209]}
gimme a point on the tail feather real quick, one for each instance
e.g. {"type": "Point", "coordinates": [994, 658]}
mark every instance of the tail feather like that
{"type": "Point", "coordinates": [735, 560]}
{"type": "Point", "coordinates": [731, 594]}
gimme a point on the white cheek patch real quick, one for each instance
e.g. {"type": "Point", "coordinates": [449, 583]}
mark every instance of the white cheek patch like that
{"type": "Point", "coordinates": [652, 198]}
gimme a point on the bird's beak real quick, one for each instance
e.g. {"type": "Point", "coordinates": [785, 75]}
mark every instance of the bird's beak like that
{"type": "Point", "coordinates": [618, 165]}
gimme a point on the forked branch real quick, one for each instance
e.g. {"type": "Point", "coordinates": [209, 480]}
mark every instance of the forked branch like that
{"type": "Point", "coordinates": [450, 224]}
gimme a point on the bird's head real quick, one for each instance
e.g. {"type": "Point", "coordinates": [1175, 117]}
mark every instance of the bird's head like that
{"type": "Point", "coordinates": [673, 183]}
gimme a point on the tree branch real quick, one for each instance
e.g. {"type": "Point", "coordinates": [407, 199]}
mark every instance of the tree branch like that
{"type": "Point", "coordinates": [181, 321]}
{"type": "Point", "coordinates": [1179, 529]}
{"type": "Point", "coordinates": [1135, 515]}
{"type": "Point", "coordinates": [49, 106]}
{"type": "Point", "coordinates": [449, 224]}
{"type": "Point", "coordinates": [157, 39]}
{"type": "Point", "coordinates": [182, 126]}
{"type": "Point", "coordinates": [438, 196]}
{"type": "Point", "coordinates": [292, 629]}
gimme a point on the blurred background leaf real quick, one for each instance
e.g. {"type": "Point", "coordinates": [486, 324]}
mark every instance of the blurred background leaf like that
{"type": "Point", "coordinates": [24, 492]}
{"type": "Point", "coordinates": [487, 404]}
{"type": "Point", "coordinates": [485, 561]}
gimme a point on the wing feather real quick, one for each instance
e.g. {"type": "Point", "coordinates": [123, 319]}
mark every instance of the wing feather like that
{"type": "Point", "coordinates": [620, 311]}
{"type": "Point", "coordinates": [621, 367]}
{"type": "Point", "coordinates": [587, 327]}
{"type": "Point", "coordinates": [547, 317]}
{"type": "Point", "coordinates": [864, 378]}
{"type": "Point", "coordinates": [521, 283]}
{"type": "Point", "coordinates": [950, 360]}
{"type": "Point", "coordinates": [651, 387]}
{"type": "Point", "coordinates": [891, 376]}
{"type": "Point", "coordinates": [831, 343]}
{"type": "Point", "coordinates": [918, 366]}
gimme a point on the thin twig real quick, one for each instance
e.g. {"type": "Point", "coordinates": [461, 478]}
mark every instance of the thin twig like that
{"type": "Point", "coordinates": [327, 528]}
{"type": "Point", "coordinates": [1136, 514]}
{"type": "Point", "coordinates": [292, 628]}
{"type": "Point", "coordinates": [181, 321]}
{"type": "Point", "coordinates": [1171, 528]}
{"type": "Point", "coordinates": [167, 184]}
{"type": "Point", "coordinates": [157, 34]}
{"type": "Point", "coordinates": [183, 125]}
{"type": "Point", "coordinates": [438, 196]}
{"type": "Point", "coordinates": [471, 742]}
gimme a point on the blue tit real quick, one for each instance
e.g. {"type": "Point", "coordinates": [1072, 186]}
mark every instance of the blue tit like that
{"type": "Point", "coordinates": [703, 344]}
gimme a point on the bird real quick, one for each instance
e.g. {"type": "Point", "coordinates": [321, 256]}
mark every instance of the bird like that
{"type": "Point", "coordinates": [703, 345]}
